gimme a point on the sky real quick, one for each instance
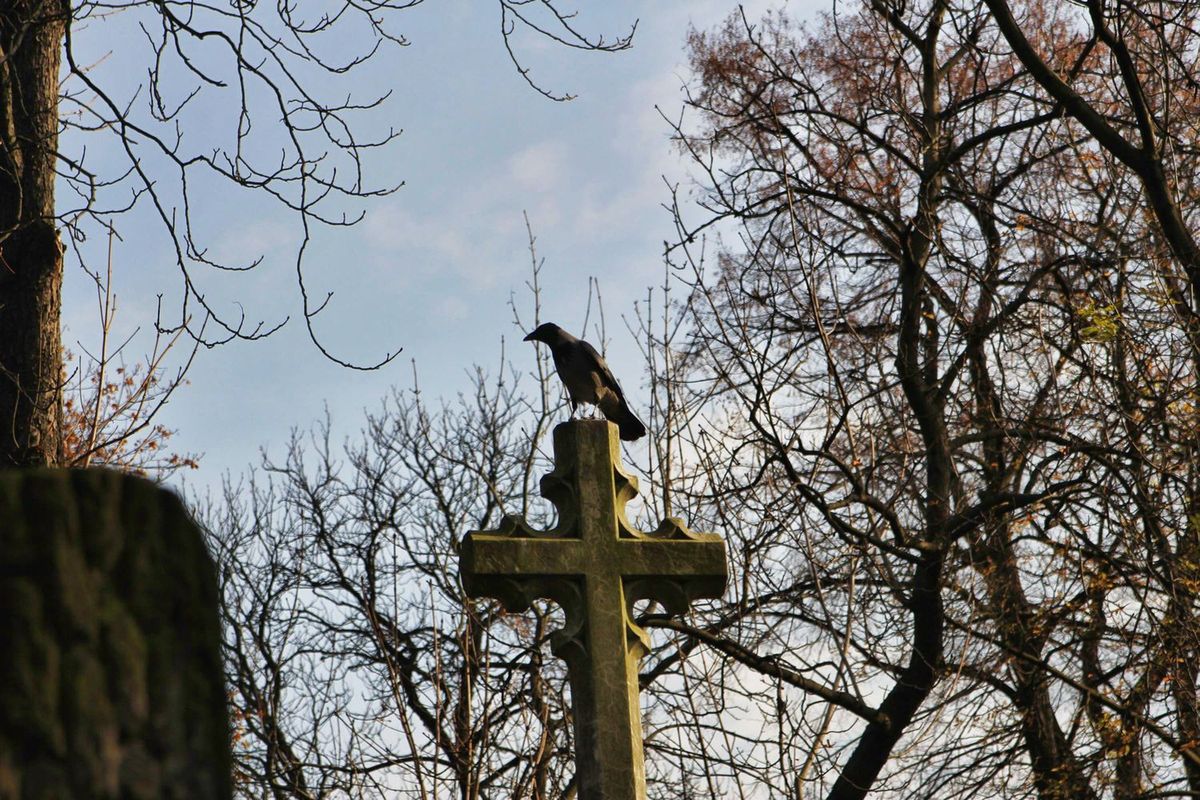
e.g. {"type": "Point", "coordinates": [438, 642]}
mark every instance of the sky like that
{"type": "Point", "coordinates": [433, 267]}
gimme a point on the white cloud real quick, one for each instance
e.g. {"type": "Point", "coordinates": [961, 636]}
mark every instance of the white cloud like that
{"type": "Point", "coordinates": [539, 167]}
{"type": "Point", "coordinates": [455, 247]}
{"type": "Point", "coordinates": [392, 227]}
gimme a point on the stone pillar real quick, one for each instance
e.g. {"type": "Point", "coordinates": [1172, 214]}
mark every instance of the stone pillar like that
{"type": "Point", "coordinates": [111, 683]}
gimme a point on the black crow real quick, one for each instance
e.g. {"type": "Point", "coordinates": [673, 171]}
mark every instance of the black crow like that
{"type": "Point", "coordinates": [587, 378]}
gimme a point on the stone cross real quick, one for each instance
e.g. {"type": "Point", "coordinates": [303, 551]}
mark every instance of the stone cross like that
{"type": "Point", "coordinates": [595, 565]}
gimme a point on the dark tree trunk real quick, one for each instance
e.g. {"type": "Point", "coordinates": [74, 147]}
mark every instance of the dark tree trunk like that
{"type": "Point", "coordinates": [31, 262]}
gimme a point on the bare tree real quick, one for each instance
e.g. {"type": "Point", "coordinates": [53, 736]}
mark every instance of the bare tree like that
{"type": "Point", "coordinates": [356, 665]}
{"type": "Point", "coordinates": [244, 69]}
{"type": "Point", "coordinates": [1136, 98]}
{"type": "Point", "coordinates": [948, 419]}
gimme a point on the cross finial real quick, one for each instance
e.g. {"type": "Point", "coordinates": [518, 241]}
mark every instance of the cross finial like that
{"type": "Point", "coordinates": [596, 566]}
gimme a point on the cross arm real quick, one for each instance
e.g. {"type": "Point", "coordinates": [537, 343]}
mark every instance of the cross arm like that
{"type": "Point", "coordinates": [673, 565]}
{"type": "Point", "coordinates": [517, 564]}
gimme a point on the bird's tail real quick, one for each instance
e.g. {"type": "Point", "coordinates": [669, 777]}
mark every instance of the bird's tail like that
{"type": "Point", "coordinates": [628, 424]}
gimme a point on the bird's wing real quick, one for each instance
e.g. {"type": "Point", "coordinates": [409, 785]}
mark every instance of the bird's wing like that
{"type": "Point", "coordinates": [602, 368]}
{"type": "Point", "coordinates": [619, 412]}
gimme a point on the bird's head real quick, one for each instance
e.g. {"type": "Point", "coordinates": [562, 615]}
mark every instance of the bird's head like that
{"type": "Point", "coordinates": [547, 332]}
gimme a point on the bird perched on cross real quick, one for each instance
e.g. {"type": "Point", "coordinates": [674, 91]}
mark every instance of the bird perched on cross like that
{"type": "Point", "coordinates": [588, 379]}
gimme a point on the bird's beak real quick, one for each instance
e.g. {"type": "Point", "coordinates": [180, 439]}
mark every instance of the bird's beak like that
{"type": "Point", "coordinates": [528, 338]}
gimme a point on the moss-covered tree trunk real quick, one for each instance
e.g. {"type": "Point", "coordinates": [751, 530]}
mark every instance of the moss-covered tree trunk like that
{"type": "Point", "coordinates": [31, 262]}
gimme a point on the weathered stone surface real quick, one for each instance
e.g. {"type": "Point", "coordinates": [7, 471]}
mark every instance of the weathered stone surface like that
{"type": "Point", "coordinates": [596, 566]}
{"type": "Point", "coordinates": [110, 680]}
